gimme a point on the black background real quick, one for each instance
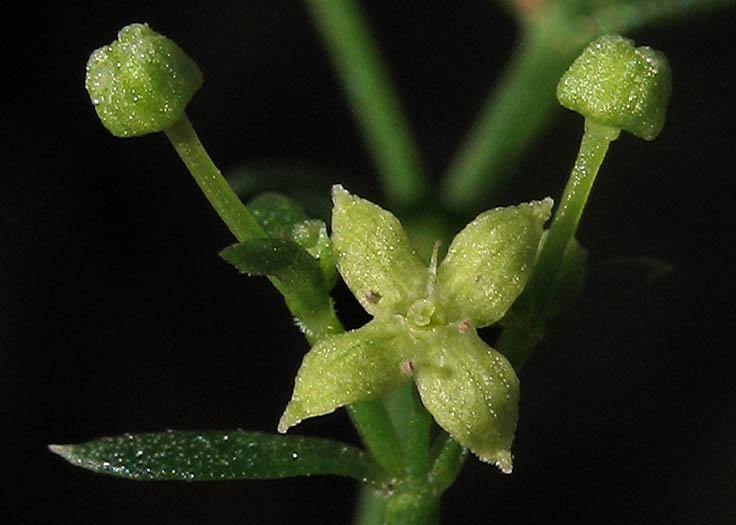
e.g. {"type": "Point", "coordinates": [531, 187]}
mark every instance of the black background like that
{"type": "Point", "coordinates": [118, 316]}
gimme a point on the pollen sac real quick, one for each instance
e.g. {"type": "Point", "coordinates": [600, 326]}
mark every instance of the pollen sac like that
{"type": "Point", "coordinates": [141, 83]}
{"type": "Point", "coordinates": [619, 85]}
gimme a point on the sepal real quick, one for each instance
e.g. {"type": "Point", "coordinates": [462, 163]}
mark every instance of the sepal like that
{"type": "Point", "coordinates": [354, 366]}
{"type": "Point", "coordinates": [490, 260]}
{"type": "Point", "coordinates": [472, 392]}
{"type": "Point", "coordinates": [374, 255]}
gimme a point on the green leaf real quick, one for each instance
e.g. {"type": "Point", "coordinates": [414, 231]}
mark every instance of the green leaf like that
{"type": "Point", "coordinates": [141, 83]}
{"type": "Point", "coordinates": [218, 455]}
{"type": "Point", "coordinates": [354, 366]}
{"type": "Point", "coordinates": [489, 262]}
{"type": "Point", "coordinates": [312, 236]}
{"type": "Point", "coordinates": [282, 218]}
{"type": "Point", "coordinates": [472, 392]}
{"type": "Point", "coordinates": [619, 85]}
{"type": "Point", "coordinates": [297, 275]}
{"type": "Point", "coordinates": [304, 184]}
{"type": "Point", "coordinates": [276, 213]}
{"type": "Point", "coordinates": [374, 255]}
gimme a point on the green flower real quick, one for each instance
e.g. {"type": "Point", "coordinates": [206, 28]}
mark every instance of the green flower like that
{"type": "Point", "coordinates": [425, 322]}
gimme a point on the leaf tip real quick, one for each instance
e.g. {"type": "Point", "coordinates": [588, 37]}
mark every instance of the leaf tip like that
{"type": "Point", "coordinates": [542, 209]}
{"type": "Point", "coordinates": [502, 459]}
{"type": "Point", "coordinates": [286, 422]}
{"type": "Point", "coordinates": [65, 451]}
{"type": "Point", "coordinates": [340, 195]}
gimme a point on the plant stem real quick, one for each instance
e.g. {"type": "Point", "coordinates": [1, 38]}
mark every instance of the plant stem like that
{"type": "Point", "coordinates": [514, 114]}
{"type": "Point", "coordinates": [217, 190]}
{"type": "Point", "coordinates": [371, 507]}
{"type": "Point", "coordinates": [377, 433]}
{"type": "Point", "coordinates": [449, 457]}
{"type": "Point", "coordinates": [370, 418]}
{"type": "Point", "coordinates": [373, 99]}
{"type": "Point", "coordinates": [416, 465]}
{"type": "Point", "coordinates": [411, 508]}
{"type": "Point", "coordinates": [593, 148]}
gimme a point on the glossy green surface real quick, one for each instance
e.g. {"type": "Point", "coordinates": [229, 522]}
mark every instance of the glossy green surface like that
{"type": "Point", "coordinates": [424, 325]}
{"type": "Point", "coordinates": [297, 276]}
{"type": "Point", "coordinates": [141, 83]}
{"type": "Point", "coordinates": [490, 260]}
{"type": "Point", "coordinates": [282, 218]}
{"type": "Point", "coordinates": [354, 366]}
{"type": "Point", "coordinates": [217, 455]}
{"type": "Point", "coordinates": [618, 85]}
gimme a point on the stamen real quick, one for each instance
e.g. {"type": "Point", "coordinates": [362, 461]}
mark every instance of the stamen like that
{"type": "Point", "coordinates": [433, 268]}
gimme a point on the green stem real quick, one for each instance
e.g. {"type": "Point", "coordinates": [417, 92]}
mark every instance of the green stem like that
{"type": "Point", "coordinates": [449, 457]}
{"type": "Point", "coordinates": [217, 190]}
{"type": "Point", "coordinates": [378, 435]}
{"type": "Point", "coordinates": [235, 215]}
{"type": "Point", "coordinates": [411, 508]}
{"type": "Point", "coordinates": [514, 114]}
{"type": "Point", "coordinates": [373, 99]}
{"type": "Point", "coordinates": [370, 418]}
{"type": "Point", "coordinates": [593, 148]}
{"type": "Point", "coordinates": [417, 443]}
{"type": "Point", "coordinates": [371, 507]}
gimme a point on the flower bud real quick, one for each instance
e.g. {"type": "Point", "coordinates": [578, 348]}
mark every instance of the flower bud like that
{"type": "Point", "coordinates": [141, 83]}
{"type": "Point", "coordinates": [619, 85]}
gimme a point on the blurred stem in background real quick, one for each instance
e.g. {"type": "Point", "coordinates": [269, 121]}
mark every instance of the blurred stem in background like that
{"type": "Point", "coordinates": [373, 99]}
{"type": "Point", "coordinates": [521, 105]}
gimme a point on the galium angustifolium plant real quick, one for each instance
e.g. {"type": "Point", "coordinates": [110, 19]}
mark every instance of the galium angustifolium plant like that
{"type": "Point", "coordinates": [420, 360]}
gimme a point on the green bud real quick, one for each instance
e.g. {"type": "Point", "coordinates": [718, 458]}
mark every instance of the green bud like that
{"type": "Point", "coordinates": [472, 392]}
{"type": "Point", "coordinates": [141, 83]}
{"type": "Point", "coordinates": [619, 85]}
{"type": "Point", "coordinates": [374, 256]}
{"type": "Point", "coordinates": [490, 260]}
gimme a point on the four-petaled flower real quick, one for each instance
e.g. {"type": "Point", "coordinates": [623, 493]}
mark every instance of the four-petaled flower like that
{"type": "Point", "coordinates": [425, 322]}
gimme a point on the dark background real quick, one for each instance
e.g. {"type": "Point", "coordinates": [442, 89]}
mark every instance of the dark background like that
{"type": "Point", "coordinates": [118, 316]}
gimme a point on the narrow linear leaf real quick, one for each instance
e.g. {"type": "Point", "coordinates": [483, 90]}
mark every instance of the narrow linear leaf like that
{"type": "Point", "coordinates": [300, 277]}
{"type": "Point", "coordinates": [282, 218]}
{"type": "Point", "coordinates": [218, 455]}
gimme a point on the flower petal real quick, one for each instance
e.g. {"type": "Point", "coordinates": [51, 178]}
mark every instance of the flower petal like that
{"type": "Point", "coordinates": [374, 255]}
{"type": "Point", "coordinates": [489, 262]}
{"type": "Point", "coordinates": [472, 392]}
{"type": "Point", "coordinates": [354, 366]}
